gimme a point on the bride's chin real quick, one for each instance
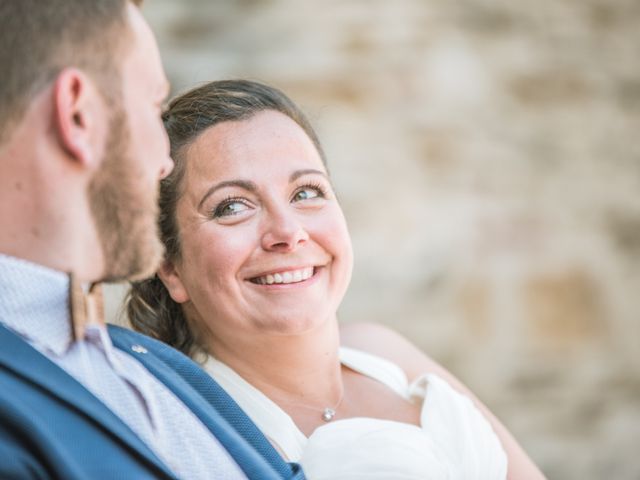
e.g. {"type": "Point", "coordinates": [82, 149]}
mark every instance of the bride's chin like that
{"type": "Point", "coordinates": [293, 326]}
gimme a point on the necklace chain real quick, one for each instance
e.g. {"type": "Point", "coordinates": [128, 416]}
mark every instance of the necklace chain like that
{"type": "Point", "coordinates": [328, 413]}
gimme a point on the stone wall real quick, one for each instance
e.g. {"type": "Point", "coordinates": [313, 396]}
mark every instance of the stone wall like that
{"type": "Point", "coordinates": [487, 158]}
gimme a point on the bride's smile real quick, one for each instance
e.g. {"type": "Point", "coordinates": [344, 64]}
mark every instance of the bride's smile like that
{"type": "Point", "coordinates": [285, 276]}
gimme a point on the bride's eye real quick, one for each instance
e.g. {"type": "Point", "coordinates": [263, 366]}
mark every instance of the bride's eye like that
{"type": "Point", "coordinates": [308, 192]}
{"type": "Point", "coordinates": [230, 207]}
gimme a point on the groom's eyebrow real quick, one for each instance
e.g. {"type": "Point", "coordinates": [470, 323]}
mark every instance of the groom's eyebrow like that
{"type": "Point", "coordinates": [244, 184]}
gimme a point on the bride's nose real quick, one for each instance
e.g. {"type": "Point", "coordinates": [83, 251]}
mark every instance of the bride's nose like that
{"type": "Point", "coordinates": [283, 231]}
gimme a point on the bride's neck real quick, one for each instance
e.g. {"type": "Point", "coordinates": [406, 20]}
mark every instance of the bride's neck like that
{"type": "Point", "coordinates": [304, 365]}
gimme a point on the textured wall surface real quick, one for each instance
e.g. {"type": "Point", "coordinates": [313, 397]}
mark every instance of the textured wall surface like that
{"type": "Point", "coordinates": [487, 158]}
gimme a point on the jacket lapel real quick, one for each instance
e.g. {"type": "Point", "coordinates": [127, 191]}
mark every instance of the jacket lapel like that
{"type": "Point", "coordinates": [193, 386]}
{"type": "Point", "coordinates": [26, 362]}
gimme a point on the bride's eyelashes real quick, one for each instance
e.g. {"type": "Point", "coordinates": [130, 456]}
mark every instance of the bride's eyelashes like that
{"type": "Point", "coordinates": [230, 207]}
{"type": "Point", "coordinates": [309, 191]}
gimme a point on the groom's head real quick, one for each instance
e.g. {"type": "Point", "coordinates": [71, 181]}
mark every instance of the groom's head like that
{"type": "Point", "coordinates": [94, 67]}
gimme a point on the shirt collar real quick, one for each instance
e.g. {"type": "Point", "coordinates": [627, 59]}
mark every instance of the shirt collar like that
{"type": "Point", "coordinates": [34, 302]}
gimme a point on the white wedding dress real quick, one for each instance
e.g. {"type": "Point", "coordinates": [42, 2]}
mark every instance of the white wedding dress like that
{"type": "Point", "coordinates": [454, 441]}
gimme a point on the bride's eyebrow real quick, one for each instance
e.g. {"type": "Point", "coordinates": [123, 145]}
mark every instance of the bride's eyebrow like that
{"type": "Point", "coordinates": [299, 173]}
{"type": "Point", "coordinates": [244, 184]}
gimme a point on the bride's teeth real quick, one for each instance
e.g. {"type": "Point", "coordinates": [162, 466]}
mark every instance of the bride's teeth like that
{"type": "Point", "coordinates": [286, 277]}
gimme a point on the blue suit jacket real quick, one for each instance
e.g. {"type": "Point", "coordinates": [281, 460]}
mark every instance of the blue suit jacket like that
{"type": "Point", "coordinates": [53, 427]}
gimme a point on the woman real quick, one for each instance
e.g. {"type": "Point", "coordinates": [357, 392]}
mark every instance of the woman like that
{"type": "Point", "coordinates": [258, 259]}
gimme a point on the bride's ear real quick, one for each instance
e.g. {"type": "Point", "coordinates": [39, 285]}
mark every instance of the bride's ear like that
{"type": "Point", "coordinates": [170, 276]}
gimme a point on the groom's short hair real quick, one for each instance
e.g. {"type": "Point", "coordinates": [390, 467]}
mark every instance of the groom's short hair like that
{"type": "Point", "coordinates": [39, 38]}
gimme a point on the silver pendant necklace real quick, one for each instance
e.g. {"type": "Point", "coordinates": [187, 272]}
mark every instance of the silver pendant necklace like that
{"type": "Point", "coordinates": [328, 413]}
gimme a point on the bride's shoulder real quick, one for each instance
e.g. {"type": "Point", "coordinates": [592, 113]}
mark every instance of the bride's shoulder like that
{"type": "Point", "coordinates": [385, 342]}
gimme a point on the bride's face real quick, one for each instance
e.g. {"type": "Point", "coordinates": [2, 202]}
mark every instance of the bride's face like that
{"type": "Point", "coordinates": [264, 243]}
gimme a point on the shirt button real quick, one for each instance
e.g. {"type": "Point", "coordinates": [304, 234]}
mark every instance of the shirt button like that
{"type": "Point", "coordinates": [138, 349]}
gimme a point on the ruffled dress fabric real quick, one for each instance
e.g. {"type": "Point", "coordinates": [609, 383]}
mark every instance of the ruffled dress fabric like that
{"type": "Point", "coordinates": [453, 442]}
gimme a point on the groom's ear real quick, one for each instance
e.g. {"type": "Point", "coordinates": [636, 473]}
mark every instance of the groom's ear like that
{"type": "Point", "coordinates": [170, 276]}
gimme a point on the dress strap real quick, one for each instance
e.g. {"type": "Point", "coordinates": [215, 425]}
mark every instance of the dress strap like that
{"type": "Point", "coordinates": [378, 368]}
{"type": "Point", "coordinates": [274, 422]}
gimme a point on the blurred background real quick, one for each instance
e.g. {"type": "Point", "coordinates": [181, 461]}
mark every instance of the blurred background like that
{"type": "Point", "coordinates": [487, 158]}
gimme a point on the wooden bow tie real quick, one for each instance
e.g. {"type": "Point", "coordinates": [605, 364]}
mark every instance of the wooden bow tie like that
{"type": "Point", "coordinates": [86, 308]}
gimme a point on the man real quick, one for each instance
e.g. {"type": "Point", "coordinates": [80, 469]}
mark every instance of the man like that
{"type": "Point", "coordinates": [82, 149]}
